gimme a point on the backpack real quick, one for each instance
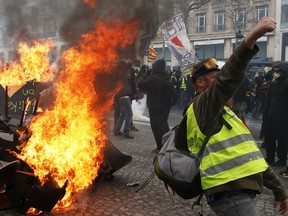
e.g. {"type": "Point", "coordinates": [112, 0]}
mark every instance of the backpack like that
{"type": "Point", "coordinates": [176, 166]}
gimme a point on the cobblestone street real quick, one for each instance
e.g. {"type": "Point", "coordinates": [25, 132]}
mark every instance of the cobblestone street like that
{"type": "Point", "coordinates": [115, 198]}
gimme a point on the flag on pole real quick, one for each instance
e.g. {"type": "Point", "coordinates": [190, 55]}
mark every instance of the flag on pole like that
{"type": "Point", "coordinates": [152, 53]}
{"type": "Point", "coordinates": [176, 38]}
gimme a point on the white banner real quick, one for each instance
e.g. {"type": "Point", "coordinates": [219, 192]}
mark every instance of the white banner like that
{"type": "Point", "coordinates": [176, 38]}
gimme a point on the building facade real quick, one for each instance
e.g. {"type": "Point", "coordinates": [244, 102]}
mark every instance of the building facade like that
{"type": "Point", "coordinates": [31, 20]}
{"type": "Point", "coordinates": [212, 29]}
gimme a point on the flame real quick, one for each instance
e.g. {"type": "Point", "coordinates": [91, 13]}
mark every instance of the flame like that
{"type": "Point", "coordinates": [33, 65]}
{"type": "Point", "coordinates": [91, 3]}
{"type": "Point", "coordinates": [68, 140]}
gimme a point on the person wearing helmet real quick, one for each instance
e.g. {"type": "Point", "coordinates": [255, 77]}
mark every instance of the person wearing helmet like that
{"type": "Point", "coordinates": [232, 168]}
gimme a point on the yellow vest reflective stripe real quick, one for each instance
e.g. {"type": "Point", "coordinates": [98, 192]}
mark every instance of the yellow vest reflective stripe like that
{"type": "Point", "coordinates": [227, 143]}
{"type": "Point", "coordinates": [229, 154]}
{"type": "Point", "coordinates": [232, 163]}
{"type": "Point", "coordinates": [174, 81]}
{"type": "Point", "coordinates": [183, 84]}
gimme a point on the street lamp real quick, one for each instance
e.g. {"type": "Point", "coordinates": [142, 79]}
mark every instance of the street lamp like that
{"type": "Point", "coordinates": [238, 37]}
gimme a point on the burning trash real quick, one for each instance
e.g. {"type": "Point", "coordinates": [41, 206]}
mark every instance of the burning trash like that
{"type": "Point", "coordinates": [67, 147]}
{"type": "Point", "coordinates": [68, 140]}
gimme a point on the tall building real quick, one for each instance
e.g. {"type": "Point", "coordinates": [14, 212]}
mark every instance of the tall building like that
{"type": "Point", "coordinates": [216, 27]}
{"type": "Point", "coordinates": [25, 20]}
{"type": "Point", "coordinates": [281, 36]}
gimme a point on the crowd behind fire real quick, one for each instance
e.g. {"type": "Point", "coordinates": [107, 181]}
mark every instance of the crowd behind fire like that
{"type": "Point", "coordinates": [254, 99]}
{"type": "Point", "coordinates": [262, 96]}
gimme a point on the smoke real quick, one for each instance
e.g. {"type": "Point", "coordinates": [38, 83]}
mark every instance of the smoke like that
{"type": "Point", "coordinates": [139, 107]}
{"type": "Point", "coordinates": [14, 25]}
{"type": "Point", "coordinates": [83, 18]}
{"type": "Point", "coordinates": [31, 19]}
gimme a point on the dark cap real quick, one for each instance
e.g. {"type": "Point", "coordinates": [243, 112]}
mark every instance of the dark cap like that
{"type": "Point", "coordinates": [204, 67]}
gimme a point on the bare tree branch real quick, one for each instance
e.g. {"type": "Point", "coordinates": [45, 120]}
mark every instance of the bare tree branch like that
{"type": "Point", "coordinates": [232, 7]}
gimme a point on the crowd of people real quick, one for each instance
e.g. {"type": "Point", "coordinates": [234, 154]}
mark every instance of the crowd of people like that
{"type": "Point", "coordinates": [138, 80]}
{"type": "Point", "coordinates": [216, 101]}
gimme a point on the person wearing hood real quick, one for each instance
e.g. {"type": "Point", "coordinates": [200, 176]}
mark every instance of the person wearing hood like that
{"type": "Point", "coordinates": [276, 117]}
{"type": "Point", "coordinates": [154, 85]}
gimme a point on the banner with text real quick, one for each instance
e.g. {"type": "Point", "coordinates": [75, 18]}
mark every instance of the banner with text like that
{"type": "Point", "coordinates": [176, 38]}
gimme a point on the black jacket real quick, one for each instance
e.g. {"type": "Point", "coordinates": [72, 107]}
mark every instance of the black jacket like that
{"type": "Point", "coordinates": [153, 85]}
{"type": "Point", "coordinates": [277, 98]}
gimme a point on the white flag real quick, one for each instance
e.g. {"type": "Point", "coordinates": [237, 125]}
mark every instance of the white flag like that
{"type": "Point", "coordinates": [176, 38]}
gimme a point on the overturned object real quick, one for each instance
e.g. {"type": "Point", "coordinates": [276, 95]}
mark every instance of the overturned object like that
{"type": "Point", "coordinates": [23, 189]}
{"type": "Point", "coordinates": [114, 160]}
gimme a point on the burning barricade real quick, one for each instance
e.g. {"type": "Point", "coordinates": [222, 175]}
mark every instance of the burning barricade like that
{"type": "Point", "coordinates": [64, 148]}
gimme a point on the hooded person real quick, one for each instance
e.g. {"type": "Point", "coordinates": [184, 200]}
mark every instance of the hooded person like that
{"type": "Point", "coordinates": [154, 85]}
{"type": "Point", "coordinates": [275, 116]}
{"type": "Point", "coordinates": [280, 71]}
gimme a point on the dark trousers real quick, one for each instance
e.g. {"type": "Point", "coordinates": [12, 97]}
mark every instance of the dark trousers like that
{"type": "Point", "coordinates": [276, 130]}
{"type": "Point", "coordinates": [159, 124]}
{"type": "Point", "coordinates": [239, 204]}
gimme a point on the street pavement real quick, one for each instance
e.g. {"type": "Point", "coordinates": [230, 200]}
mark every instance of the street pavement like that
{"type": "Point", "coordinates": [114, 198]}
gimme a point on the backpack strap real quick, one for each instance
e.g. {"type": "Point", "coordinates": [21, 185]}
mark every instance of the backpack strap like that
{"type": "Point", "coordinates": [210, 133]}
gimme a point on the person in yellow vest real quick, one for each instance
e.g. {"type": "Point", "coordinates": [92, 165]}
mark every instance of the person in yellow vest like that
{"type": "Point", "coordinates": [233, 170]}
{"type": "Point", "coordinates": [183, 93]}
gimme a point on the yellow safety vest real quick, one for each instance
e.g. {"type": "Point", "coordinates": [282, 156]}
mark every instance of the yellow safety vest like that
{"type": "Point", "coordinates": [183, 83]}
{"type": "Point", "coordinates": [229, 155]}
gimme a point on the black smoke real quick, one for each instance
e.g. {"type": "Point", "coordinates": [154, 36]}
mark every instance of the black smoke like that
{"type": "Point", "coordinates": [83, 18]}
{"type": "Point", "coordinates": [31, 19]}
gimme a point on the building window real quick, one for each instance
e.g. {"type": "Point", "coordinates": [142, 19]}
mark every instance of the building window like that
{"type": "Point", "coordinates": [261, 11]}
{"type": "Point", "coordinates": [284, 14]}
{"type": "Point", "coordinates": [201, 22]}
{"type": "Point", "coordinates": [240, 18]}
{"type": "Point", "coordinates": [284, 56]}
{"type": "Point", "coordinates": [262, 49]}
{"type": "Point", "coordinates": [219, 21]}
{"type": "Point", "coordinates": [167, 54]}
{"type": "Point", "coordinates": [213, 50]}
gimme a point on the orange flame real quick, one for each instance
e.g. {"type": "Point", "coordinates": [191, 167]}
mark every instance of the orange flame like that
{"type": "Point", "coordinates": [67, 141]}
{"type": "Point", "coordinates": [33, 65]}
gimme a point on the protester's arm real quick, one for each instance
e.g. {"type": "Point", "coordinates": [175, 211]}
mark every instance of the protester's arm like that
{"type": "Point", "coordinates": [210, 103]}
{"type": "Point", "coordinates": [272, 182]}
{"type": "Point", "coordinates": [266, 24]}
